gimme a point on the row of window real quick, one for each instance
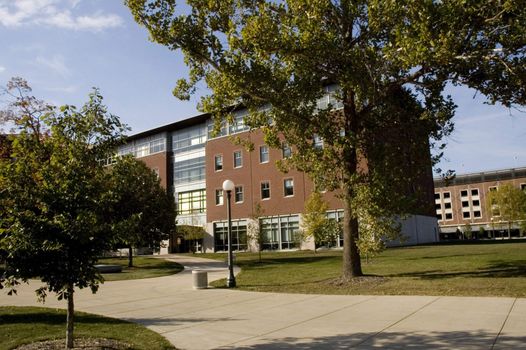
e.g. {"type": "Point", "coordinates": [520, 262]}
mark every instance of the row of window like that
{"type": "Point", "coordinates": [288, 191]}
{"type": "Point", "coordinates": [237, 158]}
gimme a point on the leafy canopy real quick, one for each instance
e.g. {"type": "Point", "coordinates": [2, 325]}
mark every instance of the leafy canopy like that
{"type": "Point", "coordinates": [390, 60]}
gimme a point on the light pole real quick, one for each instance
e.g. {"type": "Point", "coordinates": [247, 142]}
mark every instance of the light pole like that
{"type": "Point", "coordinates": [228, 187]}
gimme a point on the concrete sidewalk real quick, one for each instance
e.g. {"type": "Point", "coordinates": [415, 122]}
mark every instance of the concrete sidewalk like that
{"type": "Point", "coordinates": [231, 319]}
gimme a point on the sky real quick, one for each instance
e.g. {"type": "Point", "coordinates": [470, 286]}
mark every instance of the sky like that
{"type": "Point", "coordinates": [64, 48]}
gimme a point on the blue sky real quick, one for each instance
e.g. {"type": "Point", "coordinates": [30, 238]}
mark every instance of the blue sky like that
{"type": "Point", "coordinates": [65, 47]}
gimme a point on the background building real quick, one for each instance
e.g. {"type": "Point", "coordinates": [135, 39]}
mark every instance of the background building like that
{"type": "Point", "coordinates": [461, 202]}
{"type": "Point", "coordinates": [192, 164]}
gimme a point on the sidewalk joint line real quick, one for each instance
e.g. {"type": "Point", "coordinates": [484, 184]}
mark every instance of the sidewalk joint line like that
{"type": "Point", "coordinates": [395, 323]}
{"type": "Point", "coordinates": [503, 324]}
{"type": "Point", "coordinates": [303, 321]}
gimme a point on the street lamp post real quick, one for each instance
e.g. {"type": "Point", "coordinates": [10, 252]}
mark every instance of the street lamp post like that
{"type": "Point", "coordinates": [228, 187]}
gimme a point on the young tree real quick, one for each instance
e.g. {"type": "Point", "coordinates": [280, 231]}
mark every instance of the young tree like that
{"type": "Point", "coordinates": [254, 232]}
{"type": "Point", "coordinates": [54, 221]}
{"type": "Point", "coordinates": [314, 219]}
{"type": "Point", "coordinates": [508, 203]}
{"type": "Point", "coordinates": [391, 61]}
{"type": "Point", "coordinates": [144, 213]}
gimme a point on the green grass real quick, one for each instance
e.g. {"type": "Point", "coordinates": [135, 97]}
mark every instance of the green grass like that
{"type": "Point", "coordinates": [23, 325]}
{"type": "Point", "coordinates": [143, 267]}
{"type": "Point", "coordinates": [479, 269]}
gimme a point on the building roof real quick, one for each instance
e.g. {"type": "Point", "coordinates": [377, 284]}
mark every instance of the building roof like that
{"type": "Point", "coordinates": [491, 175]}
{"type": "Point", "coordinates": [198, 119]}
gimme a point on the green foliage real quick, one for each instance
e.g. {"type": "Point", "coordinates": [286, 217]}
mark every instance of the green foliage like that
{"type": "Point", "coordinates": [191, 232]}
{"type": "Point", "coordinates": [508, 203]}
{"type": "Point", "coordinates": [390, 60]}
{"type": "Point", "coordinates": [143, 212]}
{"type": "Point", "coordinates": [255, 234]}
{"type": "Point", "coordinates": [314, 219]}
{"type": "Point", "coordinates": [55, 199]}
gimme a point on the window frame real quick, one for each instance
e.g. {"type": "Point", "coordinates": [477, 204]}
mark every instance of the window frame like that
{"type": "Point", "coordinates": [217, 166]}
{"type": "Point", "coordinates": [219, 196]}
{"type": "Point", "coordinates": [261, 153]}
{"type": "Point", "coordinates": [291, 188]}
{"type": "Point", "coordinates": [267, 189]}
{"type": "Point", "coordinates": [236, 192]}
{"type": "Point", "coordinates": [240, 153]}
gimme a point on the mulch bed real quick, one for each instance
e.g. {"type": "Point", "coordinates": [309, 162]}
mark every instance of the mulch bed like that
{"type": "Point", "coordinates": [80, 343]}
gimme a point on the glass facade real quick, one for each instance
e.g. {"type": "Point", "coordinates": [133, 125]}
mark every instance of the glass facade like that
{"type": "Point", "coordinates": [189, 139]}
{"type": "Point", "coordinates": [239, 235]}
{"type": "Point", "coordinates": [280, 232]}
{"type": "Point", "coordinates": [191, 202]}
{"type": "Point", "coordinates": [189, 170]}
{"type": "Point", "coordinates": [144, 147]}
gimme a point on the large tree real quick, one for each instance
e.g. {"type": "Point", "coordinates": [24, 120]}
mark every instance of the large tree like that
{"type": "Point", "coordinates": [391, 61]}
{"type": "Point", "coordinates": [54, 196]}
{"type": "Point", "coordinates": [143, 211]}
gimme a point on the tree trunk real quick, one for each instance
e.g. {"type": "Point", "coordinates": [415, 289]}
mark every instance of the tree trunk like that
{"type": "Point", "coordinates": [130, 256]}
{"type": "Point", "coordinates": [70, 316]}
{"type": "Point", "coordinates": [352, 265]}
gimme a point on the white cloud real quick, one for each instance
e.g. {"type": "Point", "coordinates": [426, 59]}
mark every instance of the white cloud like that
{"type": "Point", "coordinates": [2, 69]}
{"type": "Point", "coordinates": [55, 63]}
{"type": "Point", "coordinates": [55, 13]}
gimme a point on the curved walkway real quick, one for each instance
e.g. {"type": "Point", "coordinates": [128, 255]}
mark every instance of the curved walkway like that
{"type": "Point", "coordinates": [231, 319]}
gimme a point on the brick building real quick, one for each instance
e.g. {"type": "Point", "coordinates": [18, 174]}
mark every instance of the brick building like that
{"type": "Point", "coordinates": [193, 165]}
{"type": "Point", "coordinates": [462, 201]}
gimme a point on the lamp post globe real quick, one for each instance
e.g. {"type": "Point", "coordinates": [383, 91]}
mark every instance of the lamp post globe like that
{"type": "Point", "coordinates": [228, 187]}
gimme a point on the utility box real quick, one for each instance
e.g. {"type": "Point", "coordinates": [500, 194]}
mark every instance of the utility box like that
{"type": "Point", "coordinates": [200, 279]}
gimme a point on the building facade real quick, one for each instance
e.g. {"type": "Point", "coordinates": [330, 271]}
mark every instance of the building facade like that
{"type": "Point", "coordinates": [461, 203]}
{"type": "Point", "coordinates": [192, 163]}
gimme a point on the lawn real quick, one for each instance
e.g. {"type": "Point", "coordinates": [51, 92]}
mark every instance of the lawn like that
{"type": "Point", "coordinates": [23, 325]}
{"type": "Point", "coordinates": [143, 267]}
{"type": "Point", "coordinates": [477, 269]}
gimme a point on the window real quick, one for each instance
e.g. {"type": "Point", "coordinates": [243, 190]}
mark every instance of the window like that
{"type": "Point", "coordinates": [280, 232]}
{"type": "Point", "coordinates": [287, 151]}
{"type": "Point", "coordinates": [239, 235]}
{"type": "Point", "coordinates": [474, 192]}
{"type": "Point", "coordinates": [466, 215]}
{"type": "Point", "coordinates": [239, 194]}
{"type": "Point", "coordinates": [477, 214]}
{"type": "Point", "coordinates": [476, 203]}
{"type": "Point", "coordinates": [288, 187]}
{"type": "Point", "coordinates": [492, 188]}
{"type": "Point", "coordinates": [439, 216]}
{"type": "Point", "coordinates": [238, 159]}
{"type": "Point", "coordinates": [263, 154]}
{"type": "Point", "coordinates": [464, 193]}
{"type": "Point", "coordinates": [447, 194]}
{"type": "Point", "coordinates": [218, 162]}
{"type": "Point", "coordinates": [189, 139]}
{"type": "Point", "coordinates": [449, 216]}
{"type": "Point", "coordinates": [465, 204]}
{"type": "Point", "coordinates": [317, 142]}
{"type": "Point", "coordinates": [438, 206]}
{"type": "Point", "coordinates": [191, 202]}
{"type": "Point", "coordinates": [265, 190]}
{"type": "Point", "coordinates": [219, 197]}
{"type": "Point", "coordinates": [437, 195]}
{"type": "Point", "coordinates": [523, 187]}
{"type": "Point", "coordinates": [447, 205]}
{"type": "Point", "coordinates": [189, 170]}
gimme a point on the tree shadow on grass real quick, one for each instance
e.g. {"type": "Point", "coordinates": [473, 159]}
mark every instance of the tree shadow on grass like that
{"type": "Point", "coordinates": [495, 269]}
{"type": "Point", "coordinates": [52, 317]}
